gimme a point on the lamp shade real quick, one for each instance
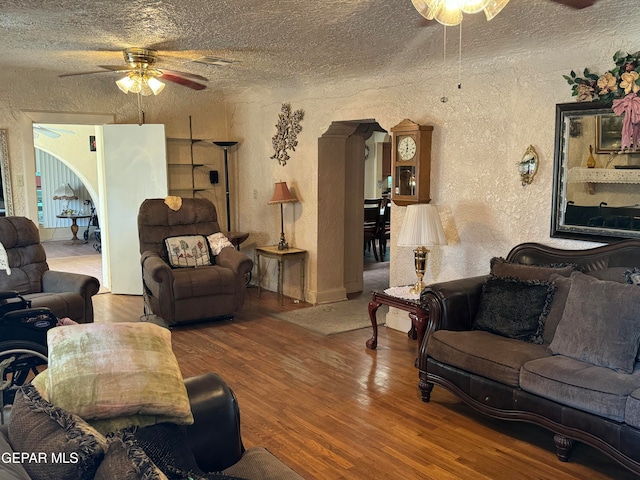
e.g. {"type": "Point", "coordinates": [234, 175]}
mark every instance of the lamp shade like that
{"type": "Point", "coordinates": [282, 194]}
{"type": "Point", "coordinates": [421, 226]}
{"type": "Point", "coordinates": [64, 192]}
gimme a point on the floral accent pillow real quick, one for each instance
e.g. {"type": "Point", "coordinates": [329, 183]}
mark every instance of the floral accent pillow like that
{"type": "Point", "coordinates": [217, 241]}
{"type": "Point", "coordinates": [633, 275]}
{"type": "Point", "coordinates": [188, 251]}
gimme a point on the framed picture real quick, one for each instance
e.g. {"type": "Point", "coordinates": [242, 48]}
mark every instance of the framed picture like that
{"type": "Point", "coordinates": [608, 133]}
{"type": "Point", "coordinates": [92, 143]}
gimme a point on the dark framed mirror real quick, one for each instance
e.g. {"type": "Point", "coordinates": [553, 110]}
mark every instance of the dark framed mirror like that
{"type": "Point", "coordinates": [596, 185]}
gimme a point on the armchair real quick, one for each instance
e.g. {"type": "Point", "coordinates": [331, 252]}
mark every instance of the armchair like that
{"type": "Point", "coordinates": [66, 294]}
{"type": "Point", "coordinates": [179, 295]}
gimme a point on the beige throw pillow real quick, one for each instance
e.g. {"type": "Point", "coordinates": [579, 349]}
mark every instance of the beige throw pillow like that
{"type": "Point", "coordinates": [217, 241]}
{"type": "Point", "coordinates": [122, 372]}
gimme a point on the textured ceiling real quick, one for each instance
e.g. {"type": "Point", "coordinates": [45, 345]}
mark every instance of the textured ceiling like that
{"type": "Point", "coordinates": [272, 41]}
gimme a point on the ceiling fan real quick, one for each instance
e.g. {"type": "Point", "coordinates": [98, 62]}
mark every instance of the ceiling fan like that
{"type": "Point", "coordinates": [450, 12]}
{"type": "Point", "coordinates": [49, 131]}
{"type": "Point", "coordinates": [141, 73]}
{"type": "Point", "coordinates": [577, 4]}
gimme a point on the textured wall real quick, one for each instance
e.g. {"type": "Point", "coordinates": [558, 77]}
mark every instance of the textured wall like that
{"type": "Point", "coordinates": [506, 103]}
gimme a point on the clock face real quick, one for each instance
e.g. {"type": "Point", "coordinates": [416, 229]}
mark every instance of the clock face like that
{"type": "Point", "coordinates": [406, 148]}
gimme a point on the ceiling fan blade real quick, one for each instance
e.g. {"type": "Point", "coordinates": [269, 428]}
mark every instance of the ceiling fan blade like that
{"type": "Point", "coordinates": [185, 82]}
{"type": "Point", "coordinates": [45, 132]}
{"type": "Point", "coordinates": [83, 73]}
{"type": "Point", "coordinates": [192, 76]}
{"type": "Point", "coordinates": [118, 68]}
{"type": "Point", "coordinates": [577, 4]}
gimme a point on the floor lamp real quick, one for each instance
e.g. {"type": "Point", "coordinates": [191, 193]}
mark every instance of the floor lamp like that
{"type": "Point", "coordinates": [225, 146]}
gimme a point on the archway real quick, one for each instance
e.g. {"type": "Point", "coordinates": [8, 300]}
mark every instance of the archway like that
{"type": "Point", "coordinates": [340, 212]}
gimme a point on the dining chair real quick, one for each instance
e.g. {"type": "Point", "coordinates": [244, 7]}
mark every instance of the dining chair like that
{"type": "Point", "coordinates": [372, 224]}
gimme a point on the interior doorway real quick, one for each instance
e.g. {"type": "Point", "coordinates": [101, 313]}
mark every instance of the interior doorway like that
{"type": "Point", "coordinates": [83, 258]}
{"type": "Point", "coordinates": [341, 193]}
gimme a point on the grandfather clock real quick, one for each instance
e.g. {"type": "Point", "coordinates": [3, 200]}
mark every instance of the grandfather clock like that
{"type": "Point", "coordinates": [411, 163]}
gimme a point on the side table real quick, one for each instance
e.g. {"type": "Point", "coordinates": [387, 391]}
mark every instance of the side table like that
{"type": "Point", "coordinates": [74, 227]}
{"type": "Point", "coordinates": [398, 297]}
{"type": "Point", "coordinates": [236, 238]}
{"type": "Point", "coordinates": [280, 255]}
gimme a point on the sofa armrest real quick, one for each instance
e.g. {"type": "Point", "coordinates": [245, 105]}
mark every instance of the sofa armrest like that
{"type": "Point", "coordinates": [452, 306]}
{"type": "Point", "coordinates": [84, 285]}
{"type": "Point", "coordinates": [62, 282]}
{"type": "Point", "coordinates": [156, 275]}
{"type": "Point", "coordinates": [214, 436]}
{"type": "Point", "coordinates": [157, 282]}
{"type": "Point", "coordinates": [234, 260]}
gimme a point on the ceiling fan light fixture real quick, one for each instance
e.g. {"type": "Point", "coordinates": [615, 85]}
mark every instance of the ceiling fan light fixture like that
{"type": "Point", "coordinates": [449, 12]}
{"type": "Point", "coordinates": [423, 8]}
{"type": "Point", "coordinates": [125, 83]}
{"type": "Point", "coordinates": [494, 7]}
{"type": "Point", "coordinates": [474, 6]}
{"type": "Point", "coordinates": [155, 85]}
{"type": "Point", "coordinates": [143, 84]}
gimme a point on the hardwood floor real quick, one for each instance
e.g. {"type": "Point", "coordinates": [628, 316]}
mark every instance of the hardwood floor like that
{"type": "Point", "coordinates": [331, 409]}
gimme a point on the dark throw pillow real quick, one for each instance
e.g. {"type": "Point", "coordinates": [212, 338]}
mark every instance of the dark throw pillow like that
{"type": "Point", "coordinates": [64, 445]}
{"type": "Point", "coordinates": [600, 324]}
{"type": "Point", "coordinates": [514, 308]}
{"type": "Point", "coordinates": [155, 452]}
{"type": "Point", "coordinates": [520, 271]}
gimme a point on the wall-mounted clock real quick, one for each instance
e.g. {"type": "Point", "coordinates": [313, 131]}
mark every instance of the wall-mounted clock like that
{"type": "Point", "coordinates": [406, 148]}
{"type": "Point", "coordinates": [411, 163]}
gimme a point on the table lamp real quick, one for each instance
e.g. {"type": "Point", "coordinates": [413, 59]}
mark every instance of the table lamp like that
{"type": "Point", "coordinates": [66, 193]}
{"type": "Point", "coordinates": [421, 226]}
{"type": "Point", "coordinates": [282, 195]}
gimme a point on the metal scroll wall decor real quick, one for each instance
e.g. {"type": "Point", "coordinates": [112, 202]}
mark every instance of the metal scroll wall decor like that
{"type": "Point", "coordinates": [287, 130]}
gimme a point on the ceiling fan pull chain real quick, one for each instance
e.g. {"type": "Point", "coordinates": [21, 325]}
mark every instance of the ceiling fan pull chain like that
{"type": "Point", "coordinates": [444, 98]}
{"type": "Point", "coordinates": [460, 59]}
{"type": "Point", "coordinates": [140, 114]}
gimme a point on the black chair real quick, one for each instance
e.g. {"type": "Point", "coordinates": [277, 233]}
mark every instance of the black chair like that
{"type": "Point", "coordinates": [372, 224]}
{"type": "Point", "coordinates": [384, 231]}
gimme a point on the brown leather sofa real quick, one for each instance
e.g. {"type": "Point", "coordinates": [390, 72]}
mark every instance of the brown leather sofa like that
{"type": "Point", "coordinates": [180, 295]}
{"type": "Point", "coordinates": [214, 437]}
{"type": "Point", "coordinates": [66, 294]}
{"type": "Point", "coordinates": [511, 379]}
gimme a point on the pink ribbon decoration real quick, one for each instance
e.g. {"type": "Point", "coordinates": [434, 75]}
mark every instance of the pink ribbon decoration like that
{"type": "Point", "coordinates": [629, 106]}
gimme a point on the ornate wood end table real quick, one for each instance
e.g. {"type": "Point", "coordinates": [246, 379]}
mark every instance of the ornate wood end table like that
{"type": "Point", "coordinates": [398, 297]}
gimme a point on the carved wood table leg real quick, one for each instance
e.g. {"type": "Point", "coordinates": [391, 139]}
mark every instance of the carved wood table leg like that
{"type": "Point", "coordinates": [372, 343]}
{"type": "Point", "coordinates": [412, 333]}
{"type": "Point", "coordinates": [563, 447]}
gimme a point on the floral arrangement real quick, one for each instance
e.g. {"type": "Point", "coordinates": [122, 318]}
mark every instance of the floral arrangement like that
{"type": "Point", "coordinates": [616, 83]}
{"type": "Point", "coordinates": [619, 88]}
{"type": "Point", "coordinates": [287, 130]}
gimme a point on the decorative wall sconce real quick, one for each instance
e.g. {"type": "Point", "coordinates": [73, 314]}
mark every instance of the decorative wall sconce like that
{"type": "Point", "coordinates": [528, 166]}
